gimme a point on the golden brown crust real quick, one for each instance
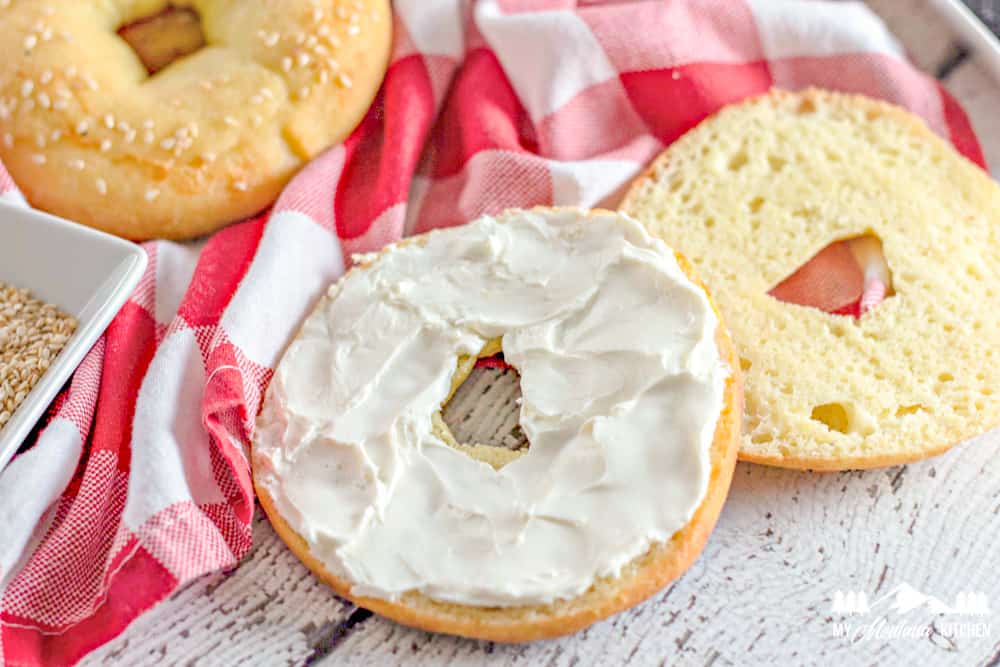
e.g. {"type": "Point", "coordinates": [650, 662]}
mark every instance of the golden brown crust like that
{"type": "Point", "coordinates": [638, 580]}
{"type": "Point", "coordinates": [977, 183]}
{"type": "Point", "coordinates": [820, 464]}
{"type": "Point", "coordinates": [87, 134]}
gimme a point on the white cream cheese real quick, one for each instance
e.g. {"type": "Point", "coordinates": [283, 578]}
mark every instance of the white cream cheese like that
{"type": "Point", "coordinates": [622, 387]}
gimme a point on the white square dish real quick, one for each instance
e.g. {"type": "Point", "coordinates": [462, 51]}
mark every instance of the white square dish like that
{"type": "Point", "coordinates": [86, 273]}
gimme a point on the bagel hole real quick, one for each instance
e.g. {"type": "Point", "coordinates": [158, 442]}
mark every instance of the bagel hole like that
{"type": "Point", "coordinates": [836, 279]}
{"type": "Point", "coordinates": [161, 38]}
{"type": "Point", "coordinates": [481, 417]}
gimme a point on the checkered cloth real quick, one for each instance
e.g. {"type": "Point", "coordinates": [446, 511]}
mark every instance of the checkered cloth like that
{"type": "Point", "coordinates": [139, 481]}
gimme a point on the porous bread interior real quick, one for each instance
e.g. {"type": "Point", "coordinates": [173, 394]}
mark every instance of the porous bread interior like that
{"type": "Point", "coordinates": [257, 103]}
{"type": "Point", "coordinates": [638, 580]}
{"type": "Point", "coordinates": [752, 193]}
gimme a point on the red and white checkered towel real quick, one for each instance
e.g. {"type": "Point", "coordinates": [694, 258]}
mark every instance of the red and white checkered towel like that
{"type": "Point", "coordinates": [139, 482]}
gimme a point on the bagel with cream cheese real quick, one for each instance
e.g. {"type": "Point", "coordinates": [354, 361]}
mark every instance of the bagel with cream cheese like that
{"type": "Point", "coordinates": [753, 193]}
{"type": "Point", "coordinates": [631, 401]}
{"type": "Point", "coordinates": [87, 133]}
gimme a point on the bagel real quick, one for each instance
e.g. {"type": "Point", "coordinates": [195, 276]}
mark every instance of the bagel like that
{"type": "Point", "coordinates": [88, 134]}
{"type": "Point", "coordinates": [752, 193]}
{"type": "Point", "coordinates": [632, 430]}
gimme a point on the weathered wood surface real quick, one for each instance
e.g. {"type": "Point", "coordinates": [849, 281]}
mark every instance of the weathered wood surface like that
{"type": "Point", "coordinates": [761, 593]}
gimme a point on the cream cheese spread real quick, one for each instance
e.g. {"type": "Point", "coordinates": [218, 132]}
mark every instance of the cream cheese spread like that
{"type": "Point", "coordinates": [622, 385]}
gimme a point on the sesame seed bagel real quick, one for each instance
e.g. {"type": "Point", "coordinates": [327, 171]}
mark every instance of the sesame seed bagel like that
{"type": "Point", "coordinates": [755, 191]}
{"type": "Point", "coordinates": [88, 134]}
{"type": "Point", "coordinates": [657, 563]}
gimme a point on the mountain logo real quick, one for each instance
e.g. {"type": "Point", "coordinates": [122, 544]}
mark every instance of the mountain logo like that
{"type": "Point", "coordinates": [904, 599]}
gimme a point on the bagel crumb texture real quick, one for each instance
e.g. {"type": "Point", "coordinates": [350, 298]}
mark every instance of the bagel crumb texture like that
{"type": "Point", "coordinates": [216, 133]}
{"type": "Point", "coordinates": [755, 191]}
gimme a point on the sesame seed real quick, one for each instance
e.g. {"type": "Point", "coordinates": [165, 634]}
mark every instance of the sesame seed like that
{"type": "Point", "coordinates": [151, 194]}
{"type": "Point", "coordinates": [286, 64]}
{"type": "Point", "coordinates": [8, 139]}
{"type": "Point", "coordinates": [130, 136]}
{"type": "Point", "coordinates": [266, 92]}
{"type": "Point", "coordinates": [323, 76]}
{"type": "Point", "coordinates": [30, 41]}
{"type": "Point", "coordinates": [256, 99]}
{"type": "Point", "coordinates": [34, 333]}
{"type": "Point", "coordinates": [102, 186]}
{"type": "Point", "coordinates": [272, 39]}
{"type": "Point", "coordinates": [27, 87]}
{"type": "Point", "coordinates": [46, 34]}
{"type": "Point", "coordinates": [303, 92]}
{"type": "Point", "coordinates": [303, 59]}
{"type": "Point", "coordinates": [90, 82]}
{"type": "Point", "coordinates": [256, 120]}
{"type": "Point", "coordinates": [105, 145]}
{"type": "Point", "coordinates": [29, 104]}
{"type": "Point", "coordinates": [332, 64]}
{"type": "Point", "coordinates": [341, 12]}
{"type": "Point", "coordinates": [44, 100]}
{"type": "Point", "coordinates": [232, 122]}
{"type": "Point", "coordinates": [240, 185]}
{"type": "Point", "coordinates": [148, 137]}
{"type": "Point", "coordinates": [40, 141]}
{"type": "Point", "coordinates": [123, 126]}
{"type": "Point", "coordinates": [71, 71]}
{"type": "Point", "coordinates": [109, 121]}
{"type": "Point", "coordinates": [208, 157]}
{"type": "Point", "coordinates": [56, 135]}
{"type": "Point", "coordinates": [317, 15]}
{"type": "Point", "coordinates": [323, 31]}
{"type": "Point", "coordinates": [82, 127]}
{"type": "Point", "coordinates": [60, 104]}
{"type": "Point", "coordinates": [46, 76]}
{"type": "Point", "coordinates": [344, 80]}
{"type": "Point", "coordinates": [38, 158]}
{"type": "Point", "coordinates": [354, 30]}
{"type": "Point", "coordinates": [148, 124]}
{"type": "Point", "coordinates": [168, 143]}
{"type": "Point", "coordinates": [77, 164]}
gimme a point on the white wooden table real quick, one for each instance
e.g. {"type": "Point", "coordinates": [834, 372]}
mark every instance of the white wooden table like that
{"type": "Point", "coordinates": [760, 594]}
